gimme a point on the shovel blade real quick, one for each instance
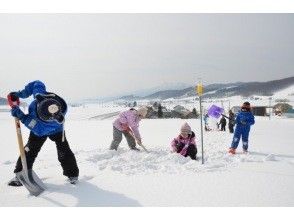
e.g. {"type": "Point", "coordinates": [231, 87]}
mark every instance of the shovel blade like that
{"type": "Point", "coordinates": [144, 148]}
{"type": "Point", "coordinates": [215, 111]}
{"type": "Point", "coordinates": [31, 181]}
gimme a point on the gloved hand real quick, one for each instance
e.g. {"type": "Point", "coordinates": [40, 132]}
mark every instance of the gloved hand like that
{"type": "Point", "coordinates": [184, 150]}
{"type": "Point", "coordinates": [14, 96]}
{"type": "Point", "coordinates": [13, 99]}
{"type": "Point", "coordinates": [16, 112]}
{"type": "Point", "coordinates": [180, 145]}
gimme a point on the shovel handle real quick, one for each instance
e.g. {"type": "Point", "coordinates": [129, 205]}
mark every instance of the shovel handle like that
{"type": "Point", "coordinates": [141, 145]}
{"type": "Point", "coordinates": [20, 145]}
{"type": "Point", "coordinates": [144, 148]}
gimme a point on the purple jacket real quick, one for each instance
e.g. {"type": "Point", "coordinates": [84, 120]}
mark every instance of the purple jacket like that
{"type": "Point", "coordinates": [185, 142]}
{"type": "Point", "coordinates": [128, 120]}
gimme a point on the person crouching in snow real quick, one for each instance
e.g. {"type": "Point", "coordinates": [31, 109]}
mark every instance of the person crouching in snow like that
{"type": "Point", "coordinates": [185, 144]}
{"type": "Point", "coordinates": [244, 120]}
{"type": "Point", "coordinates": [127, 124]}
{"type": "Point", "coordinates": [45, 119]}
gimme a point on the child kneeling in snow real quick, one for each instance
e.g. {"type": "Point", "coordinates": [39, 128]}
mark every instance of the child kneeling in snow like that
{"type": "Point", "coordinates": [185, 144]}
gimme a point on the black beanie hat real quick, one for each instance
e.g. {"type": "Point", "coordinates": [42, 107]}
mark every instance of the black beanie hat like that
{"type": "Point", "coordinates": [246, 106]}
{"type": "Point", "coordinates": [51, 107]}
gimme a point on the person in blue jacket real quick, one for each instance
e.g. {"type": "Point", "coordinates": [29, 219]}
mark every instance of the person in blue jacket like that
{"type": "Point", "coordinates": [45, 119]}
{"type": "Point", "coordinates": [244, 121]}
{"type": "Point", "coordinates": [206, 127]}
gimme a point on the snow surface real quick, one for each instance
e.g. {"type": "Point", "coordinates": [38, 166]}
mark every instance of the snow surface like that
{"type": "Point", "coordinates": [264, 177]}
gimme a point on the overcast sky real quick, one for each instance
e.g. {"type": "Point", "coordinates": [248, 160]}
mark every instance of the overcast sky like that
{"type": "Point", "coordinates": [96, 55]}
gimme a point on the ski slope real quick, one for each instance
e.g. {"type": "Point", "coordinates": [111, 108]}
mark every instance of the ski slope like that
{"type": "Point", "coordinates": [265, 177]}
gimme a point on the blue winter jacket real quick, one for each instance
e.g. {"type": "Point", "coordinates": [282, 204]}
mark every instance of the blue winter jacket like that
{"type": "Point", "coordinates": [244, 120]}
{"type": "Point", "coordinates": [31, 120]}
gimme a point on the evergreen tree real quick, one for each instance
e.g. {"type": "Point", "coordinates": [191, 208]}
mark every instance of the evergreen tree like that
{"type": "Point", "coordinates": [160, 113]}
{"type": "Point", "coordinates": [195, 113]}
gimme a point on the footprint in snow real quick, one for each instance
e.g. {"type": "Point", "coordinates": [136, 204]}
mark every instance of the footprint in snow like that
{"type": "Point", "coordinates": [270, 157]}
{"type": "Point", "coordinates": [8, 162]}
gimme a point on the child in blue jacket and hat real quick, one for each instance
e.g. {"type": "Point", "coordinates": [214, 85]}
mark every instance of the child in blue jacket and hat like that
{"type": "Point", "coordinates": [45, 119]}
{"type": "Point", "coordinates": [244, 121]}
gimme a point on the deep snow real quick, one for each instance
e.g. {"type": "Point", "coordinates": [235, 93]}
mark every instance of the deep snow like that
{"type": "Point", "coordinates": [265, 177]}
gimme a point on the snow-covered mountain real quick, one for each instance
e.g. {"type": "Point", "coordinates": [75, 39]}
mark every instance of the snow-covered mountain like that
{"type": "Point", "coordinates": [222, 90]}
{"type": "Point", "coordinates": [164, 86]}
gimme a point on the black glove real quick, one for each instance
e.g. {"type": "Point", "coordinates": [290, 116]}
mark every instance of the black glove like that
{"type": "Point", "coordinates": [180, 145]}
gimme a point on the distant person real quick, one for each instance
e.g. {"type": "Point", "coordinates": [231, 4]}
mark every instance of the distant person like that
{"type": "Point", "coordinates": [127, 124]}
{"type": "Point", "coordinates": [231, 121]}
{"type": "Point", "coordinates": [206, 127]}
{"type": "Point", "coordinates": [244, 121]}
{"type": "Point", "coordinates": [185, 143]}
{"type": "Point", "coordinates": [45, 119]}
{"type": "Point", "coordinates": [217, 125]}
{"type": "Point", "coordinates": [223, 123]}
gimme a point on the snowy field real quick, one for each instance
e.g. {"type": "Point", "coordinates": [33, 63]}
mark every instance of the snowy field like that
{"type": "Point", "coordinates": [265, 177]}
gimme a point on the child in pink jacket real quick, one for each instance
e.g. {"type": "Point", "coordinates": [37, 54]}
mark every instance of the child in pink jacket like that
{"type": "Point", "coordinates": [185, 144]}
{"type": "Point", "coordinates": [127, 124]}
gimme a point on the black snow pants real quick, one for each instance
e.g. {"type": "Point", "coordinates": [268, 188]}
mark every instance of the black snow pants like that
{"type": "Point", "coordinates": [65, 155]}
{"type": "Point", "coordinates": [231, 128]}
{"type": "Point", "coordinates": [223, 127]}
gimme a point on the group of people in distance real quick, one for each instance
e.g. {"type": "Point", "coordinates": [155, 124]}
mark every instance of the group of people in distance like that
{"type": "Point", "coordinates": [46, 116]}
{"type": "Point", "coordinates": [243, 121]}
{"type": "Point", "coordinates": [221, 125]}
{"type": "Point", "coordinates": [223, 122]}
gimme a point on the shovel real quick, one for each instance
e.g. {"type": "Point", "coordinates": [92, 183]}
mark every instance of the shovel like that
{"type": "Point", "coordinates": [141, 145]}
{"type": "Point", "coordinates": [27, 177]}
{"type": "Point", "coordinates": [215, 111]}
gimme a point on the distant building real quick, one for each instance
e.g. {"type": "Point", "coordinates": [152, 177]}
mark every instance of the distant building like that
{"type": "Point", "coordinates": [289, 113]}
{"type": "Point", "coordinates": [256, 110]}
{"type": "Point", "coordinates": [281, 108]}
{"type": "Point", "coordinates": [259, 110]}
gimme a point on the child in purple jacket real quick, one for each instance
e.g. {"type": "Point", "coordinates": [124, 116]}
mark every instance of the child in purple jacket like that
{"type": "Point", "coordinates": [127, 124]}
{"type": "Point", "coordinates": [185, 143]}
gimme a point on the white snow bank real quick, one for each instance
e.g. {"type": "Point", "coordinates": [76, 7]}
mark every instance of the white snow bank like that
{"type": "Point", "coordinates": [158, 178]}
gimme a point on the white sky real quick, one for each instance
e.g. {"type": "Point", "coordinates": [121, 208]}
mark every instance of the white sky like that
{"type": "Point", "coordinates": [96, 55]}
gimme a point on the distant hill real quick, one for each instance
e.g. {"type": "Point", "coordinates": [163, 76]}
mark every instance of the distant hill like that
{"type": "Point", "coordinates": [130, 97]}
{"type": "Point", "coordinates": [254, 88]}
{"type": "Point", "coordinates": [220, 90]}
{"type": "Point", "coordinates": [190, 91]}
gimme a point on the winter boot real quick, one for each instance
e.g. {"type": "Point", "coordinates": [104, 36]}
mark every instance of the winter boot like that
{"type": "Point", "coordinates": [232, 150]}
{"type": "Point", "coordinates": [135, 148]}
{"type": "Point", "coordinates": [73, 180]}
{"type": "Point", "coordinates": [14, 182]}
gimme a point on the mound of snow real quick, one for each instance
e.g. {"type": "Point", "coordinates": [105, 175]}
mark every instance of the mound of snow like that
{"type": "Point", "coordinates": [270, 157]}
